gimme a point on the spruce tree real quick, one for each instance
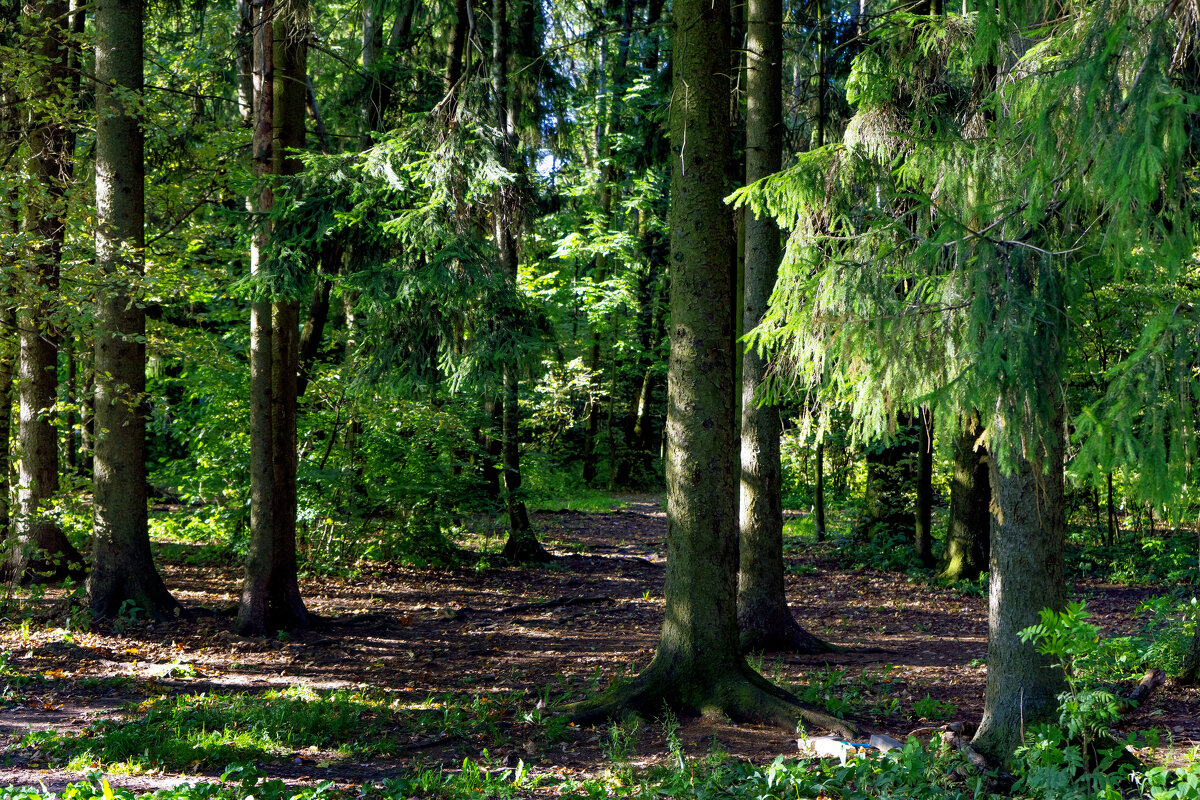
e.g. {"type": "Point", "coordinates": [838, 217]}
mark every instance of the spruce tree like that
{"type": "Point", "coordinates": [938, 253]}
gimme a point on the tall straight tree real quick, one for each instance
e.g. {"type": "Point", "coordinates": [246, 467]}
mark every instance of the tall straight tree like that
{"type": "Point", "coordinates": [522, 545]}
{"type": "Point", "coordinates": [698, 666]}
{"type": "Point", "coordinates": [765, 621]}
{"type": "Point", "coordinates": [39, 550]}
{"type": "Point", "coordinates": [10, 228]}
{"type": "Point", "coordinates": [122, 566]}
{"type": "Point", "coordinates": [271, 590]}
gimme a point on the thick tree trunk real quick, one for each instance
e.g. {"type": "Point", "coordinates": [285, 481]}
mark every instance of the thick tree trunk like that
{"type": "Point", "coordinates": [968, 531]}
{"type": "Point", "coordinates": [923, 516]}
{"type": "Point", "coordinates": [123, 569]}
{"type": "Point", "coordinates": [455, 47]}
{"type": "Point", "coordinates": [1026, 576]}
{"type": "Point", "coordinates": [698, 667]}
{"type": "Point", "coordinates": [270, 590]}
{"type": "Point", "coordinates": [763, 616]}
{"type": "Point", "coordinates": [39, 551]}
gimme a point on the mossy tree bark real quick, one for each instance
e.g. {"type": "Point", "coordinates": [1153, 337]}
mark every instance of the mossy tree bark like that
{"type": "Point", "coordinates": [698, 667]}
{"type": "Point", "coordinates": [270, 590]}
{"type": "Point", "coordinates": [969, 528]}
{"type": "Point", "coordinates": [764, 619]}
{"type": "Point", "coordinates": [38, 549]}
{"type": "Point", "coordinates": [1028, 526]}
{"type": "Point", "coordinates": [123, 570]}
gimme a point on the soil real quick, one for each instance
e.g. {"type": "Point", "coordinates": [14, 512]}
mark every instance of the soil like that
{"type": "Point", "coordinates": [567, 628]}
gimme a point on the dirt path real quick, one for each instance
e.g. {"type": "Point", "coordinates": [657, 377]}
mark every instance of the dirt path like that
{"type": "Point", "coordinates": [564, 629]}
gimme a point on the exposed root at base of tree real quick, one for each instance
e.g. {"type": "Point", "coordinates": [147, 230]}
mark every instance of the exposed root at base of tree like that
{"type": "Point", "coordinates": [790, 638]}
{"type": "Point", "coordinates": [524, 548]}
{"type": "Point", "coordinates": [740, 694]}
{"type": "Point", "coordinates": [133, 597]}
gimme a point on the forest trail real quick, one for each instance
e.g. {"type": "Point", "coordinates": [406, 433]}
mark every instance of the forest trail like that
{"type": "Point", "coordinates": [517, 636]}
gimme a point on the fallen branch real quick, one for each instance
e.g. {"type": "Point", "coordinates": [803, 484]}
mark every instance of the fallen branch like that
{"type": "Point", "coordinates": [1150, 681]}
{"type": "Point", "coordinates": [963, 729]}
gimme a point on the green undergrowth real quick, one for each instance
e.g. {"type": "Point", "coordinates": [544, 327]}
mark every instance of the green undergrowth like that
{"type": "Point", "coordinates": [192, 732]}
{"type": "Point", "coordinates": [1044, 769]}
{"type": "Point", "coordinates": [1134, 560]}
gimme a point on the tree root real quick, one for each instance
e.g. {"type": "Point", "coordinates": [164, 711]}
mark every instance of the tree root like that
{"type": "Point", "coordinates": [524, 548]}
{"type": "Point", "coordinates": [788, 637]}
{"type": "Point", "coordinates": [738, 693]}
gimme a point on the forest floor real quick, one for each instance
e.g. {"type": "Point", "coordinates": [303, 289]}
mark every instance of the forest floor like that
{"type": "Point", "coordinates": [485, 648]}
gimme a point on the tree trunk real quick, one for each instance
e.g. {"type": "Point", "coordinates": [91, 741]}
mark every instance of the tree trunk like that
{"type": "Point", "coordinates": [819, 494]}
{"type": "Point", "coordinates": [522, 545]}
{"type": "Point", "coordinates": [455, 48]}
{"type": "Point", "coordinates": [10, 227]}
{"type": "Point", "coordinates": [8, 353]}
{"type": "Point", "coordinates": [1113, 527]}
{"type": "Point", "coordinates": [968, 532]}
{"type": "Point", "coordinates": [39, 550]}
{"type": "Point", "coordinates": [1026, 576]}
{"type": "Point", "coordinates": [270, 591]}
{"type": "Point", "coordinates": [889, 484]}
{"type": "Point", "coordinates": [123, 569]}
{"type": "Point", "coordinates": [372, 42]}
{"type": "Point", "coordinates": [244, 57]}
{"type": "Point", "coordinates": [698, 667]}
{"type": "Point", "coordinates": [763, 616]}
{"type": "Point", "coordinates": [923, 518]}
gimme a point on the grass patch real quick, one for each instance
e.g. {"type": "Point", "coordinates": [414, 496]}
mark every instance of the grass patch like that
{"type": "Point", "coordinates": [210, 731]}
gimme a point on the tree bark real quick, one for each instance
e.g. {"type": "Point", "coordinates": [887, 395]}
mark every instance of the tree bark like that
{"type": "Point", "coordinates": [39, 551]}
{"type": "Point", "coordinates": [522, 545]}
{"type": "Point", "coordinates": [243, 43]}
{"type": "Point", "coordinates": [123, 569]}
{"type": "Point", "coordinates": [698, 666]}
{"type": "Point", "coordinates": [270, 590]}
{"type": "Point", "coordinates": [968, 532]}
{"type": "Point", "coordinates": [1026, 576]}
{"type": "Point", "coordinates": [819, 494]}
{"type": "Point", "coordinates": [763, 616]}
{"type": "Point", "coordinates": [8, 352]}
{"type": "Point", "coordinates": [372, 42]}
{"type": "Point", "coordinates": [923, 516]}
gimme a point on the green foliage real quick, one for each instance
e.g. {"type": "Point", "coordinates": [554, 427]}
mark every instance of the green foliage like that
{"type": "Point", "coordinates": [1168, 627]}
{"type": "Point", "coordinates": [207, 731]}
{"type": "Point", "coordinates": [1156, 561]}
{"type": "Point", "coordinates": [930, 709]}
{"type": "Point", "coordinates": [1086, 711]}
{"type": "Point", "coordinates": [939, 253]}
